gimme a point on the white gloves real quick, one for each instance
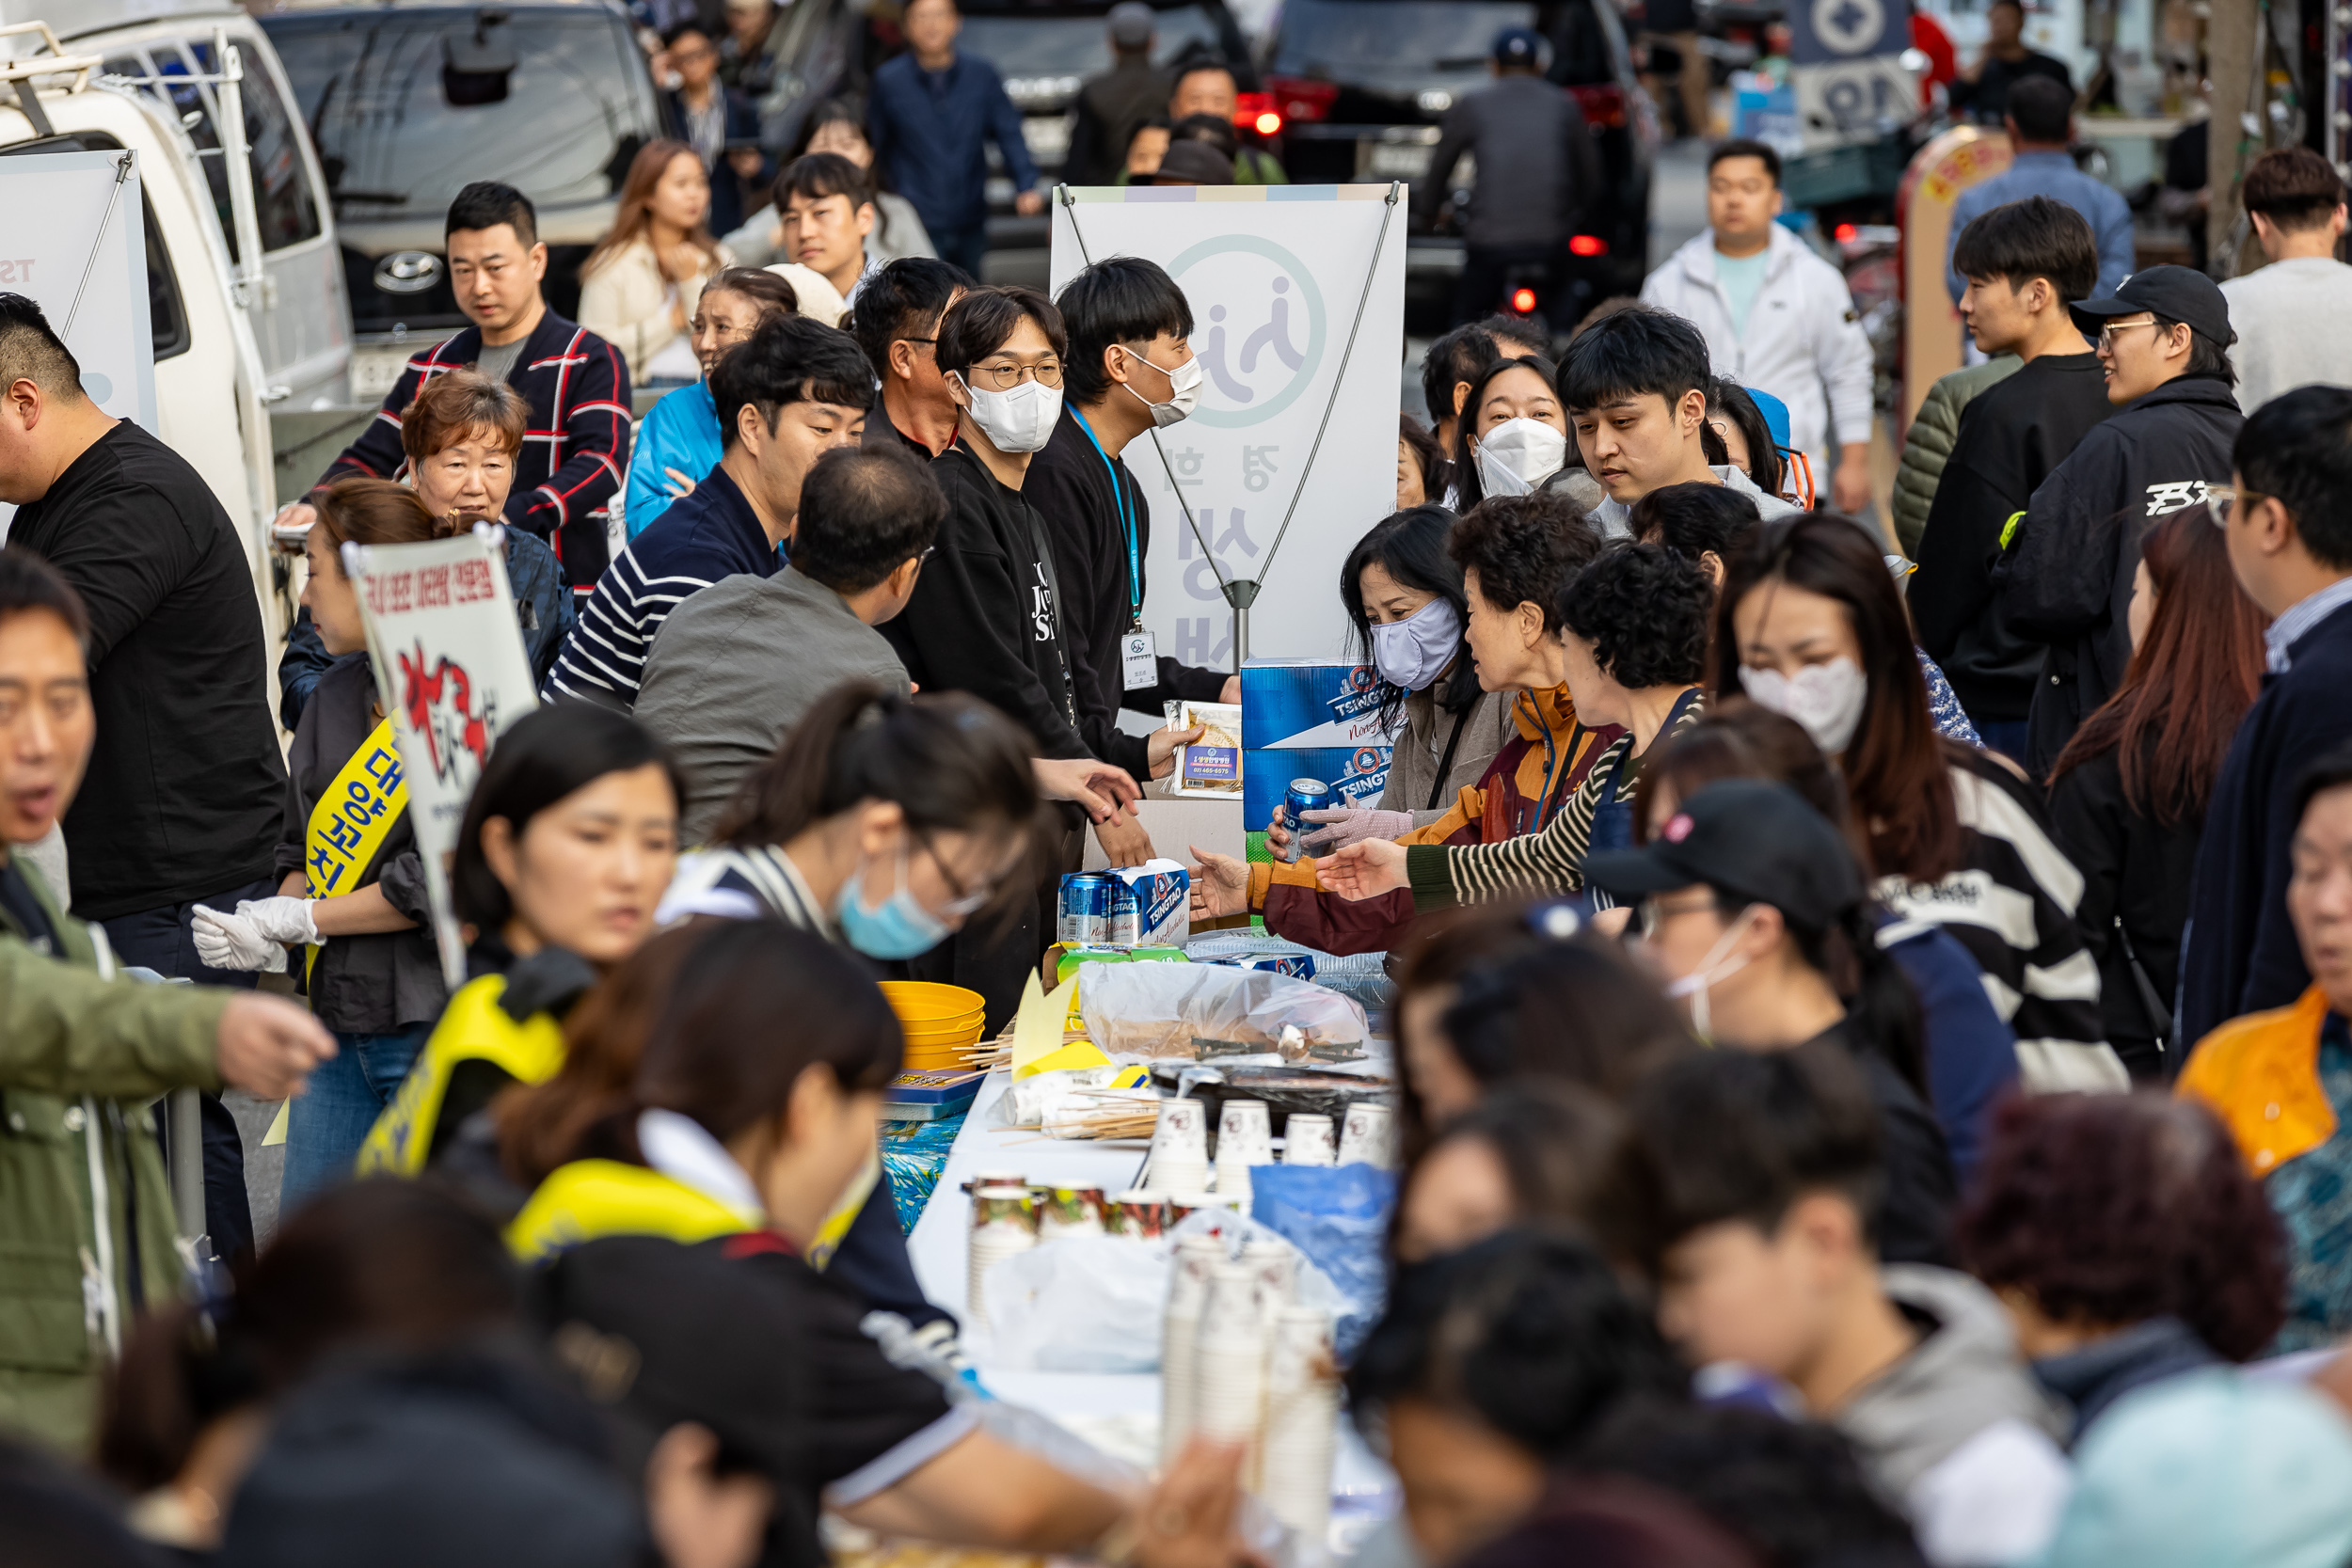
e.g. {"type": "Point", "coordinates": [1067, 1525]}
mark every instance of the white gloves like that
{"type": "Point", "coordinates": [1346, 824]}
{"type": "Point", "coordinates": [257, 936]}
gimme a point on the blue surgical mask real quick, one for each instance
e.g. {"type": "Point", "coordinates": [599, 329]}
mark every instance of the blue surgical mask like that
{"type": "Point", "coordinates": [902, 928]}
{"type": "Point", "coordinates": [1414, 652]}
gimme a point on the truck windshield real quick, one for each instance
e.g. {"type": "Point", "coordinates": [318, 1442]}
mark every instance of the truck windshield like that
{"type": "Point", "coordinates": [399, 128]}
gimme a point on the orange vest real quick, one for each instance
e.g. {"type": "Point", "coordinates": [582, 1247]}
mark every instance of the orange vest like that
{"type": "Point", "coordinates": [2260, 1074]}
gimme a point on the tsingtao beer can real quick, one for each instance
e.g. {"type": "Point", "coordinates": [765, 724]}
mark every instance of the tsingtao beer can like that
{"type": "Point", "coordinates": [1304, 795]}
{"type": "Point", "coordinates": [1086, 909]}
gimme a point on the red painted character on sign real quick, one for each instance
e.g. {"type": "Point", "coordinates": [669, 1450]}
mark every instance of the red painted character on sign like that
{"type": "Point", "coordinates": [440, 707]}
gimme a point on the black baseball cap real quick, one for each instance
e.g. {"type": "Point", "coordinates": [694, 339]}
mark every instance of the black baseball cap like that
{"type": "Point", "coordinates": [1750, 839]}
{"type": "Point", "coordinates": [2176, 293]}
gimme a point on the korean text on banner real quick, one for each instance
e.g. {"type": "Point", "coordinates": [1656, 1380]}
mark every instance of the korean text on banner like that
{"type": "Point", "coordinates": [1274, 274]}
{"type": "Point", "coordinates": [452, 675]}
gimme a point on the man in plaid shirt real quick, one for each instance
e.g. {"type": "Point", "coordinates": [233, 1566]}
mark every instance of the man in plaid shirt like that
{"type": "Point", "coordinates": [576, 451]}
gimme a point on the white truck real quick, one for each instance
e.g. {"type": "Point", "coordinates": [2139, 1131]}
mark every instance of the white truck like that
{"type": "Point", "coordinates": [246, 291]}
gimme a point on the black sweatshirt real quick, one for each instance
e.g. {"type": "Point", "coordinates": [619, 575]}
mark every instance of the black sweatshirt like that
{"type": "Point", "coordinates": [984, 615]}
{"type": "Point", "coordinates": [185, 784]}
{"type": "Point", "coordinates": [2012, 435]}
{"type": "Point", "coordinates": [1077, 493]}
{"type": "Point", "coordinates": [2066, 578]}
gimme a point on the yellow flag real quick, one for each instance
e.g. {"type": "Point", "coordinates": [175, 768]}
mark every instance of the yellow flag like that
{"type": "Point", "coordinates": [1037, 1031]}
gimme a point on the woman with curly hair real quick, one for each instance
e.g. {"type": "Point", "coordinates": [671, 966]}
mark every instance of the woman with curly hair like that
{"type": "Point", "coordinates": [2127, 1240]}
{"type": "Point", "coordinates": [1633, 633]}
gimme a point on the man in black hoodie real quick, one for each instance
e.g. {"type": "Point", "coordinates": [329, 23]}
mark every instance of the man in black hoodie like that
{"type": "Point", "coordinates": [2066, 576]}
{"type": "Point", "coordinates": [2025, 262]}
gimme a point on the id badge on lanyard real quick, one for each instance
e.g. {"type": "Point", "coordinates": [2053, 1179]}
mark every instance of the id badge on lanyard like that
{"type": "Point", "coordinates": [1139, 660]}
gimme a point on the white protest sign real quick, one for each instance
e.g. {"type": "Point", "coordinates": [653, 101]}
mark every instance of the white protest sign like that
{"type": "Point", "coordinates": [89, 244]}
{"type": "Point", "coordinates": [451, 673]}
{"type": "Point", "coordinates": [1275, 276]}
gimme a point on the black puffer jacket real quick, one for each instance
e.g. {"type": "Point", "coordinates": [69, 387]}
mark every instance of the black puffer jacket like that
{"type": "Point", "coordinates": [2065, 578]}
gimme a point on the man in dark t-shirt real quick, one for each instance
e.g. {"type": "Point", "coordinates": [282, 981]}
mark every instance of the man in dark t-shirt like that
{"type": "Point", "coordinates": [1981, 93]}
{"type": "Point", "coordinates": [185, 784]}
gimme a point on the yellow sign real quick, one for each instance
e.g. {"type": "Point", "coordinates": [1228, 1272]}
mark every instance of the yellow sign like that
{"type": "Point", "coordinates": [354, 814]}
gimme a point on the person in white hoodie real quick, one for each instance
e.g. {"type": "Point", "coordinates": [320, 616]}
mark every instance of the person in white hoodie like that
{"type": "Point", "coordinates": [1776, 316]}
{"type": "Point", "coordinates": [1748, 1189]}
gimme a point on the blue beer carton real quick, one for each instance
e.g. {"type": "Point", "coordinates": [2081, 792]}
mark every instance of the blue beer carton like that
{"type": "Point", "coordinates": [1150, 905]}
{"type": "Point", "coordinates": [1309, 719]}
{"type": "Point", "coordinates": [1299, 966]}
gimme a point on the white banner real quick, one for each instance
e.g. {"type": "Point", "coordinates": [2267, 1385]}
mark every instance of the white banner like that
{"type": "Point", "coordinates": [452, 673]}
{"type": "Point", "coordinates": [1281, 278]}
{"type": "Point", "coordinates": [84, 238]}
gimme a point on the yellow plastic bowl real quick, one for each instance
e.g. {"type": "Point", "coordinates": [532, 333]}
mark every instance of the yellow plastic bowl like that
{"type": "Point", "coordinates": [928, 1003]}
{"type": "Point", "coordinates": [913, 1030]}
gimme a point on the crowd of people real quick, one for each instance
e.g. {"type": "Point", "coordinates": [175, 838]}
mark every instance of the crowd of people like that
{"type": "Point", "coordinates": [1869, 1029]}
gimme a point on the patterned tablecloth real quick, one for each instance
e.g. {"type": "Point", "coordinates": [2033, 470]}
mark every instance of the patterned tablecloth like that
{"type": "Point", "coordinates": [913, 1153]}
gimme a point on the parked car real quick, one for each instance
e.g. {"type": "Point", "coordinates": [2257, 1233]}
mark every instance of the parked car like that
{"type": "Point", "coordinates": [229, 350]}
{"type": "Point", "coordinates": [409, 103]}
{"type": "Point", "coordinates": [1363, 85]}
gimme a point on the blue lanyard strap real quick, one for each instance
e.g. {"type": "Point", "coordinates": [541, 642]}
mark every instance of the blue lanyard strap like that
{"type": "Point", "coordinates": [1126, 523]}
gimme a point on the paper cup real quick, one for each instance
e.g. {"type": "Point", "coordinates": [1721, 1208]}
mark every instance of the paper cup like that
{"type": "Point", "coordinates": [1245, 1132]}
{"type": "Point", "coordinates": [1274, 1273]}
{"type": "Point", "coordinates": [1197, 1258]}
{"type": "Point", "coordinates": [1181, 1204]}
{"type": "Point", "coordinates": [1179, 1160]}
{"type": "Point", "coordinates": [1367, 1137]}
{"type": "Point", "coordinates": [1069, 1211]}
{"type": "Point", "coordinates": [1301, 1435]}
{"type": "Point", "coordinates": [1004, 1222]}
{"type": "Point", "coordinates": [1308, 1140]}
{"type": "Point", "coordinates": [1137, 1215]}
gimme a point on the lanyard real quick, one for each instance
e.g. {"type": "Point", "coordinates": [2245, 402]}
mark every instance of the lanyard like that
{"type": "Point", "coordinates": [1126, 523]}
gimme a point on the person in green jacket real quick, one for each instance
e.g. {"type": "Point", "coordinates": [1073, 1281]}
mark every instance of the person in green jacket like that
{"type": "Point", "coordinates": [87, 1237]}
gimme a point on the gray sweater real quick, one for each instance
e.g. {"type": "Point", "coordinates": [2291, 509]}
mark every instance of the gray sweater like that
{"type": "Point", "coordinates": [737, 665]}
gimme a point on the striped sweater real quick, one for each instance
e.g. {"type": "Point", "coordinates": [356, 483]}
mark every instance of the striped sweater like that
{"type": "Point", "coordinates": [710, 534]}
{"type": "Point", "coordinates": [1552, 861]}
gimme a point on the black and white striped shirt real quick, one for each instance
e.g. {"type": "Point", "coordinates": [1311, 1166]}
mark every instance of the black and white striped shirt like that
{"type": "Point", "coordinates": [710, 534]}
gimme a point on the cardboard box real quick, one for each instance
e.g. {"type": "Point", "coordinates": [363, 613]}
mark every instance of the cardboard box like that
{"type": "Point", "coordinates": [1309, 719]}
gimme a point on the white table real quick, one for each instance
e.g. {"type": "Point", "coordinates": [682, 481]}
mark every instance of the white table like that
{"type": "Point", "coordinates": [1111, 1409]}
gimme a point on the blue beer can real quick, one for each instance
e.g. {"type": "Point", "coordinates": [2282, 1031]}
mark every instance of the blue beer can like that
{"type": "Point", "coordinates": [1086, 909]}
{"type": "Point", "coordinates": [1304, 795]}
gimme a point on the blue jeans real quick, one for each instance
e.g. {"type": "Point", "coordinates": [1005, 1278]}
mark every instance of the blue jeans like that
{"type": "Point", "coordinates": [327, 1124]}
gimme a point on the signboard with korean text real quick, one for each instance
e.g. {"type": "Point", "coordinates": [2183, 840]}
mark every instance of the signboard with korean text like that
{"type": "Point", "coordinates": [1846, 67]}
{"type": "Point", "coordinates": [451, 675]}
{"type": "Point", "coordinates": [1279, 279]}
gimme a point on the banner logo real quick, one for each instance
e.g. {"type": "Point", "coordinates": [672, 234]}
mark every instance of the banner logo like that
{"type": "Point", "coordinates": [1262, 335]}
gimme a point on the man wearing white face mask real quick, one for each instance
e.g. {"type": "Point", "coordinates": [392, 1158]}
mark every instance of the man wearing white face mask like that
{"type": "Point", "coordinates": [1751, 901]}
{"type": "Point", "coordinates": [1130, 371]}
{"type": "Point", "coordinates": [985, 613]}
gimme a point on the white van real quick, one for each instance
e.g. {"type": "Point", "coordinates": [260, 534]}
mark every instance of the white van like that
{"type": "Point", "coordinates": [233, 342]}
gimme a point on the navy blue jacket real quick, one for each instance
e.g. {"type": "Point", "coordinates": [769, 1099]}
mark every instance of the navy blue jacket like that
{"type": "Point", "coordinates": [1972, 1055]}
{"type": "Point", "coordinates": [2239, 953]}
{"type": "Point", "coordinates": [929, 131]}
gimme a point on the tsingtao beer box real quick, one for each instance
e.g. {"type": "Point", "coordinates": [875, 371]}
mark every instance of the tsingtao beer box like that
{"type": "Point", "coordinates": [1309, 719]}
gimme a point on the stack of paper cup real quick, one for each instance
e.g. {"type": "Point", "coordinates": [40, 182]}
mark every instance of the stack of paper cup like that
{"type": "Point", "coordinates": [1272, 1267]}
{"type": "Point", "coordinates": [1245, 1137]}
{"type": "Point", "coordinates": [1004, 1222]}
{"type": "Point", "coordinates": [1368, 1136]}
{"type": "Point", "coordinates": [1179, 1161]}
{"type": "Point", "coordinates": [1307, 1140]}
{"type": "Point", "coordinates": [1232, 1363]}
{"type": "Point", "coordinates": [1301, 1426]}
{"type": "Point", "coordinates": [1197, 1258]}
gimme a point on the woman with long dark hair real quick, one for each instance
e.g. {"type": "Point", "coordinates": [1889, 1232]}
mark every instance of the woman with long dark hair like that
{"type": "Point", "coordinates": [1513, 432]}
{"type": "Point", "coordinates": [2127, 796]}
{"type": "Point", "coordinates": [568, 841]}
{"type": "Point", "coordinates": [1810, 623]}
{"type": "Point", "coordinates": [1734, 418]}
{"type": "Point", "coordinates": [638, 285]}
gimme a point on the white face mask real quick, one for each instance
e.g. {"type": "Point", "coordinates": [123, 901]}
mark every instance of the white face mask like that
{"type": "Point", "coordinates": [1020, 421]}
{"type": "Point", "coordinates": [1414, 652]}
{"type": "Point", "coordinates": [1711, 969]}
{"type": "Point", "coordinates": [1825, 698]}
{"type": "Point", "coordinates": [1517, 455]}
{"type": "Point", "coordinates": [1184, 384]}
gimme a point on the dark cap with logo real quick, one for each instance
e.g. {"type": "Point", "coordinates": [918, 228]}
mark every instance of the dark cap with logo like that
{"type": "Point", "coordinates": [1752, 840]}
{"type": "Point", "coordinates": [2176, 293]}
{"type": "Point", "coordinates": [1518, 46]}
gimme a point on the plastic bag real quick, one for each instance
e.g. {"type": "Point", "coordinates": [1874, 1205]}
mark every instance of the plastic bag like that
{"type": "Point", "coordinates": [1337, 1216]}
{"type": "Point", "coordinates": [1201, 1010]}
{"type": "Point", "coordinates": [1079, 1303]}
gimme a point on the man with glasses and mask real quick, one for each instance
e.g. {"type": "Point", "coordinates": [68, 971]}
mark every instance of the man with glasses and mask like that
{"type": "Point", "coordinates": [2286, 516]}
{"type": "Point", "coordinates": [987, 612]}
{"type": "Point", "coordinates": [2067, 571]}
{"type": "Point", "coordinates": [1131, 371]}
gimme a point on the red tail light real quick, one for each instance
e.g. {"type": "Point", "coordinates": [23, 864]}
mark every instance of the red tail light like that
{"type": "Point", "coordinates": [1603, 105]}
{"type": "Point", "coordinates": [1587, 244]}
{"type": "Point", "coordinates": [1523, 301]}
{"type": "Point", "coordinates": [1256, 111]}
{"type": "Point", "coordinates": [1844, 231]}
{"type": "Point", "coordinates": [1300, 100]}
